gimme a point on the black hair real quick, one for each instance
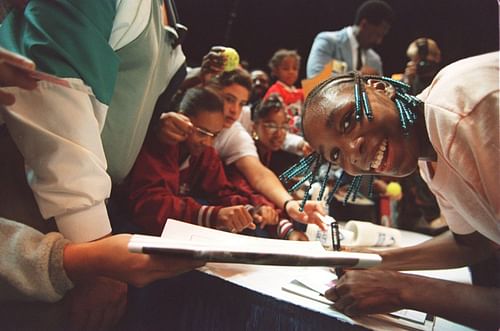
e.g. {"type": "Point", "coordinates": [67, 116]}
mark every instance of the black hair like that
{"type": "Point", "coordinates": [406, 105]}
{"type": "Point", "coordinates": [273, 103]}
{"type": "Point", "coordinates": [227, 78]}
{"type": "Point", "coordinates": [279, 55]}
{"type": "Point", "coordinates": [199, 99]}
{"type": "Point", "coordinates": [375, 12]}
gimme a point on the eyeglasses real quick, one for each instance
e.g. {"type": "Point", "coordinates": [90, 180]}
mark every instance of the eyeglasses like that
{"type": "Point", "coordinates": [273, 127]}
{"type": "Point", "coordinates": [205, 133]}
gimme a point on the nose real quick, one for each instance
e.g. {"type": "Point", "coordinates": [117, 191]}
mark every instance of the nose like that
{"type": "Point", "coordinates": [231, 108]}
{"type": "Point", "coordinates": [281, 132]}
{"type": "Point", "coordinates": [355, 152]}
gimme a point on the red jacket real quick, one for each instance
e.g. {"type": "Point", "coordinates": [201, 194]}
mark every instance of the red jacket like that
{"type": "Point", "coordinates": [159, 189]}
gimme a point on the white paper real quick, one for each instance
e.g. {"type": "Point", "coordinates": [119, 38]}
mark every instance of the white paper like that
{"type": "Point", "coordinates": [314, 284]}
{"type": "Point", "coordinates": [217, 246]}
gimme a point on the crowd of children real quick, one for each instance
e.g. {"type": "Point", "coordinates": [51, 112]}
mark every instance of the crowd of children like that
{"type": "Point", "coordinates": [206, 146]}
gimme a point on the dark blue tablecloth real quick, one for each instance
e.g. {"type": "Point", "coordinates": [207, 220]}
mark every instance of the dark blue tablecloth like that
{"type": "Point", "coordinates": [198, 301]}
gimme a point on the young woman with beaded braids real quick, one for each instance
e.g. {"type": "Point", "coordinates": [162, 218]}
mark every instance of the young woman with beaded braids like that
{"type": "Point", "coordinates": [370, 126]}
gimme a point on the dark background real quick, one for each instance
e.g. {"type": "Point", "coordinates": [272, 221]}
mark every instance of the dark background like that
{"type": "Point", "coordinates": [460, 27]}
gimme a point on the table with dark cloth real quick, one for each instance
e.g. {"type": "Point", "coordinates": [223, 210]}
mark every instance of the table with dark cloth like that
{"type": "Point", "coordinates": [199, 301]}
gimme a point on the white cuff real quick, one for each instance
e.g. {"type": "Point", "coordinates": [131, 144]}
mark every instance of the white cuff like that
{"type": "Point", "coordinates": [85, 225]}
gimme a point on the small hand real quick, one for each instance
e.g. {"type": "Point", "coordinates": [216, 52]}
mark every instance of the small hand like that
{"type": "Point", "coordinates": [234, 219]}
{"type": "Point", "coordinates": [313, 210]}
{"type": "Point", "coordinates": [306, 149]}
{"type": "Point", "coordinates": [265, 215]}
{"type": "Point", "coordinates": [410, 72]}
{"type": "Point", "coordinates": [174, 128]}
{"type": "Point", "coordinates": [212, 63]}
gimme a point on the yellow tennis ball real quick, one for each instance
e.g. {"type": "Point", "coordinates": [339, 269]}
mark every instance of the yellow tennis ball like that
{"type": "Point", "coordinates": [393, 189]}
{"type": "Point", "coordinates": [232, 59]}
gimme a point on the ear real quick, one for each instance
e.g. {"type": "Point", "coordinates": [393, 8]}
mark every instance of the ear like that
{"type": "Point", "coordinates": [362, 23]}
{"type": "Point", "coordinates": [382, 87]}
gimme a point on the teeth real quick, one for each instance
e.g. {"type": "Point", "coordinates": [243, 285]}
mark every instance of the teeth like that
{"type": "Point", "coordinates": [380, 155]}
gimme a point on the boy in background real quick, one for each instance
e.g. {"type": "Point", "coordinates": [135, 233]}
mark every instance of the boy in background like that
{"type": "Point", "coordinates": [170, 180]}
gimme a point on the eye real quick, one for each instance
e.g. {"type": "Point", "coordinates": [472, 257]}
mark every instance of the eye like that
{"type": "Point", "coordinates": [334, 156]}
{"type": "Point", "coordinates": [346, 121]}
{"type": "Point", "coordinates": [230, 99]}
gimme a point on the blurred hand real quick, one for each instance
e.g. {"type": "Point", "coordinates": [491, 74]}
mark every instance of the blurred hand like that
{"type": "Point", "coordinates": [212, 63]}
{"type": "Point", "coordinates": [174, 128]}
{"type": "Point", "coordinates": [12, 76]}
{"type": "Point", "coordinates": [410, 72]}
{"type": "Point", "coordinates": [361, 292]}
{"type": "Point", "coordinates": [297, 235]}
{"type": "Point", "coordinates": [265, 215]}
{"type": "Point", "coordinates": [313, 210]}
{"type": "Point", "coordinates": [234, 219]}
{"type": "Point", "coordinates": [379, 186]}
{"type": "Point", "coordinates": [97, 304]}
{"type": "Point", "coordinates": [305, 148]}
{"type": "Point", "coordinates": [110, 257]}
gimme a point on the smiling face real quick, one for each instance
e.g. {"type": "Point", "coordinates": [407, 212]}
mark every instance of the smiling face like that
{"type": "Point", "coordinates": [206, 127]}
{"type": "Point", "coordinates": [365, 147]}
{"type": "Point", "coordinates": [235, 96]}
{"type": "Point", "coordinates": [272, 129]}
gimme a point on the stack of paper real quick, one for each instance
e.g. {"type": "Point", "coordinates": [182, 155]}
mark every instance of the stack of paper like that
{"type": "Point", "coordinates": [184, 239]}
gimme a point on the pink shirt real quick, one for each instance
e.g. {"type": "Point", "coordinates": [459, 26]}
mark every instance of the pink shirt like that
{"type": "Point", "coordinates": [462, 118]}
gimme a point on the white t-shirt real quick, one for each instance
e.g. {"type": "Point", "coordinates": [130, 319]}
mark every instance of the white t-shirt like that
{"type": "Point", "coordinates": [462, 119]}
{"type": "Point", "coordinates": [234, 143]}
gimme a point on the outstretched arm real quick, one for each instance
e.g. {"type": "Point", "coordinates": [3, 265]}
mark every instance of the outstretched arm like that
{"type": "Point", "coordinates": [445, 251]}
{"type": "Point", "coordinates": [263, 180]}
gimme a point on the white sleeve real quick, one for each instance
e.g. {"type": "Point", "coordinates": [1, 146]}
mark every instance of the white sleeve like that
{"type": "Point", "coordinates": [58, 131]}
{"type": "Point", "coordinates": [234, 143]}
{"type": "Point", "coordinates": [246, 119]}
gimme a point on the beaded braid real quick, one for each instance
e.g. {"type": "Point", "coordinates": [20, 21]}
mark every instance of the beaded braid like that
{"type": "Point", "coordinates": [405, 105]}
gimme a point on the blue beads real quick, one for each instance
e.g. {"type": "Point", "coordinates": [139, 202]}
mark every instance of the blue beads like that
{"type": "Point", "coordinates": [405, 105]}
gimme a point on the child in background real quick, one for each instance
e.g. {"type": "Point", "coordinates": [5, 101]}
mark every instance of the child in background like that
{"type": "Point", "coordinates": [285, 65]}
{"type": "Point", "coordinates": [269, 132]}
{"type": "Point", "coordinates": [170, 180]}
{"type": "Point", "coordinates": [270, 129]}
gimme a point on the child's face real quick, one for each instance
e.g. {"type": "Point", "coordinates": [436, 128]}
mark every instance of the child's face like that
{"type": "Point", "coordinates": [366, 147]}
{"type": "Point", "coordinates": [288, 70]}
{"type": "Point", "coordinates": [206, 127]}
{"type": "Point", "coordinates": [272, 129]}
{"type": "Point", "coordinates": [235, 97]}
